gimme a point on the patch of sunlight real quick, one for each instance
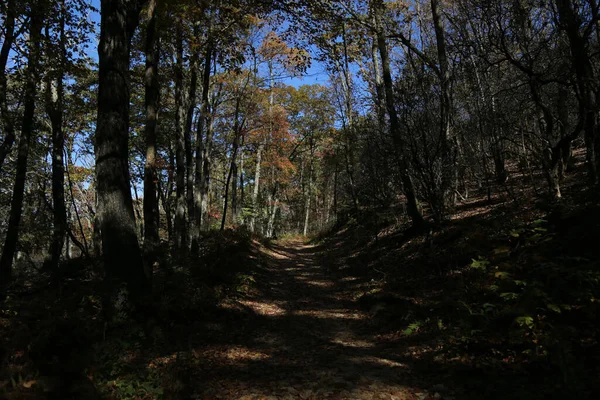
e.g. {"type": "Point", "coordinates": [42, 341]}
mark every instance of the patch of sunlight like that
{"type": "Point", "coordinates": [244, 354]}
{"type": "Point", "coordinates": [279, 256]}
{"type": "Point", "coordinates": [379, 361]}
{"type": "Point", "coordinates": [261, 308]}
{"type": "Point", "coordinates": [319, 283]}
{"type": "Point", "coordinates": [162, 361]}
{"type": "Point", "coordinates": [330, 314]}
{"type": "Point", "coordinates": [353, 343]}
{"type": "Point", "coordinates": [350, 279]}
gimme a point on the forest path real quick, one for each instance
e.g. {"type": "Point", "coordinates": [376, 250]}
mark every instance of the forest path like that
{"type": "Point", "coordinates": [303, 337]}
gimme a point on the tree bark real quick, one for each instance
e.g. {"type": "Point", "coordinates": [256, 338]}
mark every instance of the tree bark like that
{"type": "Point", "coordinates": [12, 233]}
{"type": "Point", "coordinates": [308, 190]}
{"type": "Point", "coordinates": [189, 151]}
{"type": "Point", "coordinates": [54, 107]}
{"type": "Point", "coordinates": [121, 250]}
{"type": "Point", "coordinates": [448, 167]}
{"type": "Point", "coordinates": [256, 189]}
{"type": "Point", "coordinates": [180, 153]}
{"type": "Point", "coordinates": [151, 211]}
{"type": "Point", "coordinates": [202, 123]}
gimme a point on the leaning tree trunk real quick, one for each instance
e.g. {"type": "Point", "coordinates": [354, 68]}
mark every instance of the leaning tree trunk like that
{"type": "Point", "coordinates": [120, 247]}
{"type": "Point", "coordinates": [12, 233]}
{"type": "Point", "coordinates": [151, 212]}
{"type": "Point", "coordinates": [54, 105]}
{"type": "Point", "coordinates": [395, 130]}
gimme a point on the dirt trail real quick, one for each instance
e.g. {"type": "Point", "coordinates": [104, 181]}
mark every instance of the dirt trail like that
{"type": "Point", "coordinates": [303, 337]}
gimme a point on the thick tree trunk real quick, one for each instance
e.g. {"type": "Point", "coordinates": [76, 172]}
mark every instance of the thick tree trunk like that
{"type": "Point", "coordinates": [7, 122]}
{"type": "Point", "coordinates": [121, 250]}
{"type": "Point", "coordinates": [12, 233]}
{"type": "Point", "coordinates": [151, 212]}
{"type": "Point", "coordinates": [395, 130]}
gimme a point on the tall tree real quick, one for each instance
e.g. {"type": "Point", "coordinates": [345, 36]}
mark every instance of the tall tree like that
{"type": "Point", "coordinates": [151, 212]}
{"type": "Point", "coordinates": [395, 129]}
{"type": "Point", "coordinates": [36, 12]}
{"type": "Point", "coordinates": [121, 251]}
{"type": "Point", "coordinates": [55, 111]}
{"type": "Point", "coordinates": [10, 12]}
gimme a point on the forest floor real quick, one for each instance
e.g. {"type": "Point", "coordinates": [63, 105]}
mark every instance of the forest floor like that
{"type": "Point", "coordinates": [500, 302]}
{"type": "Point", "coordinates": [306, 338]}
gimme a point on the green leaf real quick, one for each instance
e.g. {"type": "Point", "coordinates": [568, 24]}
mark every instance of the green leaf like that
{"type": "Point", "coordinates": [524, 321]}
{"type": "Point", "coordinates": [412, 328]}
{"type": "Point", "coordinates": [554, 308]}
{"type": "Point", "coordinates": [509, 296]}
{"type": "Point", "coordinates": [481, 263]}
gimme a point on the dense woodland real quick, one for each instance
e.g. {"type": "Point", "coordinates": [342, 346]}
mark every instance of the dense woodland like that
{"type": "Point", "coordinates": [134, 146]}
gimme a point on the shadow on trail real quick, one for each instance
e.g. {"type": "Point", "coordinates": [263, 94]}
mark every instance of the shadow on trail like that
{"type": "Point", "coordinates": [302, 335]}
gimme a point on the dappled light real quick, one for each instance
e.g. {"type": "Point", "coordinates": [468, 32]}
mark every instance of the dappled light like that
{"type": "Point", "coordinates": [299, 200]}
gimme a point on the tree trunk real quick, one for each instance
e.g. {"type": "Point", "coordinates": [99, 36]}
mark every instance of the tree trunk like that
{"type": "Point", "coordinates": [12, 233]}
{"type": "Point", "coordinates": [395, 130]}
{"type": "Point", "coordinates": [7, 122]}
{"type": "Point", "coordinates": [189, 151]}
{"type": "Point", "coordinates": [274, 200]}
{"type": "Point", "coordinates": [121, 250]}
{"type": "Point", "coordinates": [233, 167]}
{"type": "Point", "coordinates": [308, 192]}
{"type": "Point", "coordinates": [202, 122]}
{"type": "Point", "coordinates": [255, 208]}
{"type": "Point", "coordinates": [207, 155]}
{"type": "Point", "coordinates": [448, 167]}
{"type": "Point", "coordinates": [350, 129]}
{"type": "Point", "coordinates": [180, 153]}
{"type": "Point", "coordinates": [54, 106]}
{"type": "Point", "coordinates": [584, 72]}
{"type": "Point", "coordinates": [151, 212]}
